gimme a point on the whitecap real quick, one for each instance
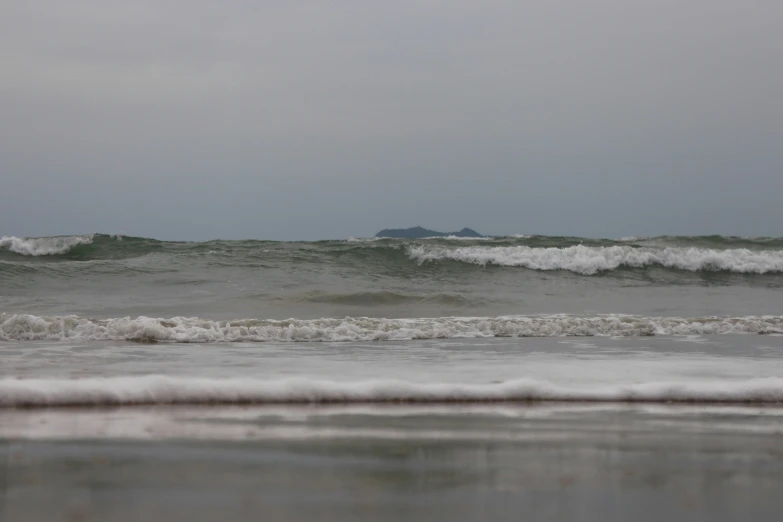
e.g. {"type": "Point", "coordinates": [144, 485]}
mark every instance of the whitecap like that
{"type": "Point", "coordinates": [43, 246]}
{"type": "Point", "coordinates": [589, 260]}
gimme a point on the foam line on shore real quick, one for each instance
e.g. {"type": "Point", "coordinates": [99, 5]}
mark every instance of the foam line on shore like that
{"type": "Point", "coordinates": [165, 390]}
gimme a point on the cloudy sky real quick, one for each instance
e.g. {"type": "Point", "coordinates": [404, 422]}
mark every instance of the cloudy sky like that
{"type": "Point", "coordinates": [312, 119]}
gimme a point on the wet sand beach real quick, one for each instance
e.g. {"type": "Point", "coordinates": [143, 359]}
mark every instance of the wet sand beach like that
{"type": "Point", "coordinates": [511, 462]}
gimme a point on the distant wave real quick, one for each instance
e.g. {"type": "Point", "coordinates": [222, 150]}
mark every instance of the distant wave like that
{"type": "Point", "coordinates": [24, 327]}
{"type": "Point", "coordinates": [460, 238]}
{"type": "Point", "coordinates": [152, 390]}
{"type": "Point", "coordinates": [577, 255]}
{"type": "Point", "coordinates": [82, 247]}
{"type": "Point", "coordinates": [43, 246]}
{"type": "Point", "coordinates": [589, 260]}
{"type": "Point", "coordinates": [364, 239]}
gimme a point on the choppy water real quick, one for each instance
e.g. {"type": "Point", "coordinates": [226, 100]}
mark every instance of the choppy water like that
{"type": "Point", "coordinates": [375, 313]}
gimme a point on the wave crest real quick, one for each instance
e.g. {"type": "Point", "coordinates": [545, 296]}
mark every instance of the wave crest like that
{"type": "Point", "coordinates": [23, 327]}
{"type": "Point", "coordinates": [592, 260]}
{"type": "Point", "coordinates": [43, 246]}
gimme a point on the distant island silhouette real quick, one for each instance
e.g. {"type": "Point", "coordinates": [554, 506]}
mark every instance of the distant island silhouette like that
{"type": "Point", "coordinates": [421, 232]}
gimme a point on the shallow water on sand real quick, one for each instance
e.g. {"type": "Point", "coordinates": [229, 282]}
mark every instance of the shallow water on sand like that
{"type": "Point", "coordinates": [723, 368]}
{"type": "Point", "coordinates": [555, 462]}
{"type": "Point", "coordinates": [537, 460]}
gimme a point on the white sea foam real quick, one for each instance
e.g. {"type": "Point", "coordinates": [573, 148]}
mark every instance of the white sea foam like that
{"type": "Point", "coordinates": [43, 246]}
{"type": "Point", "coordinates": [352, 239]}
{"type": "Point", "coordinates": [591, 260]}
{"type": "Point", "coordinates": [24, 327]}
{"type": "Point", "coordinates": [450, 238]}
{"type": "Point", "coordinates": [461, 238]}
{"type": "Point", "coordinates": [193, 390]}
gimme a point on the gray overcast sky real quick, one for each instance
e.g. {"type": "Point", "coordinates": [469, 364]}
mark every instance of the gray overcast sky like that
{"type": "Point", "coordinates": [326, 119]}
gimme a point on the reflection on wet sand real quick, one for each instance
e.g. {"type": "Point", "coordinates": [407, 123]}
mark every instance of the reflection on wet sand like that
{"type": "Point", "coordinates": [570, 462]}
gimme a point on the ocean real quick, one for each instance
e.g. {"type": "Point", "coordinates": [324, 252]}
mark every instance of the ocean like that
{"type": "Point", "coordinates": [557, 378]}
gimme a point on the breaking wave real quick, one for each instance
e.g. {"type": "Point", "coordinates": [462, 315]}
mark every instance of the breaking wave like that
{"type": "Point", "coordinates": [152, 390]}
{"type": "Point", "coordinates": [589, 260]}
{"type": "Point", "coordinates": [43, 246]}
{"type": "Point", "coordinates": [24, 327]}
{"type": "Point", "coordinates": [579, 255]}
